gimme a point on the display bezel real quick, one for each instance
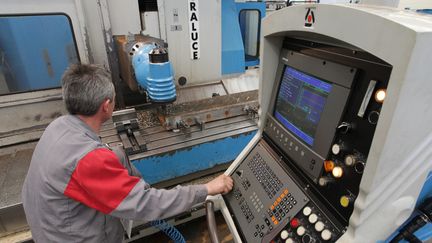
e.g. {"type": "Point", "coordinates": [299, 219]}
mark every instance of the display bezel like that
{"type": "Point", "coordinates": [341, 78]}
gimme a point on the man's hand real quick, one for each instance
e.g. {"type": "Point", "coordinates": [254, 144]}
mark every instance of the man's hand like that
{"type": "Point", "coordinates": [221, 184]}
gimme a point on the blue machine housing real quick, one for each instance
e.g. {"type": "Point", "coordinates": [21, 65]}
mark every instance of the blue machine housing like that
{"type": "Point", "coordinates": [234, 58]}
{"type": "Point", "coordinates": [33, 58]}
{"type": "Point", "coordinates": [163, 167]}
{"type": "Point", "coordinates": [160, 82]}
{"type": "Point", "coordinates": [155, 78]}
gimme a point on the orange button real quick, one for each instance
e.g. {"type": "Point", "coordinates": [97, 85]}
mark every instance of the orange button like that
{"type": "Point", "coordinates": [286, 191]}
{"type": "Point", "coordinates": [328, 165]}
{"type": "Point", "coordinates": [275, 204]}
{"type": "Point", "coordinates": [273, 218]}
{"type": "Point", "coordinates": [272, 207]}
{"type": "Point", "coordinates": [276, 222]}
{"type": "Point", "coordinates": [278, 199]}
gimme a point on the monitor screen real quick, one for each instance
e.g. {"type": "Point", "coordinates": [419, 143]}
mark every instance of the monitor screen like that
{"type": "Point", "coordinates": [300, 102]}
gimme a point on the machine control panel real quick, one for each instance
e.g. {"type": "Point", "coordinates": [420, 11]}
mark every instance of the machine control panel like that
{"type": "Point", "coordinates": [310, 225]}
{"type": "Point", "coordinates": [264, 198]}
{"type": "Point", "coordinates": [300, 182]}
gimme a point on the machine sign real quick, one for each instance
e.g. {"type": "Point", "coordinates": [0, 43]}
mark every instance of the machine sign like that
{"type": "Point", "coordinates": [194, 29]}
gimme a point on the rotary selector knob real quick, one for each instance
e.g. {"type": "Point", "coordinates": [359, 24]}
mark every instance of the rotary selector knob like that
{"type": "Point", "coordinates": [289, 240]}
{"type": "Point", "coordinates": [307, 211]}
{"type": "Point", "coordinates": [326, 234]}
{"type": "Point", "coordinates": [313, 218]}
{"type": "Point", "coordinates": [284, 234]}
{"type": "Point", "coordinates": [306, 238]}
{"type": "Point", "coordinates": [301, 231]}
{"type": "Point", "coordinates": [359, 167]}
{"type": "Point", "coordinates": [350, 160]}
{"type": "Point", "coordinates": [325, 180]}
{"type": "Point", "coordinates": [319, 226]}
{"type": "Point", "coordinates": [345, 127]}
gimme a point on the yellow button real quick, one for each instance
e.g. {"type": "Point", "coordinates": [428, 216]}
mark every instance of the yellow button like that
{"type": "Point", "coordinates": [345, 201]}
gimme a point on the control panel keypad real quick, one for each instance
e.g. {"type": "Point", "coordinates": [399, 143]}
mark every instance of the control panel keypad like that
{"type": "Point", "coordinates": [265, 175]}
{"type": "Point", "coordinates": [281, 206]}
{"type": "Point", "coordinates": [246, 210]}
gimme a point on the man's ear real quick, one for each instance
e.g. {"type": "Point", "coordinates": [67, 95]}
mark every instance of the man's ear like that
{"type": "Point", "coordinates": [106, 105]}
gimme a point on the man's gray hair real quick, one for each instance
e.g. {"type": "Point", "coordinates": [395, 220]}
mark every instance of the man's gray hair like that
{"type": "Point", "coordinates": [85, 87]}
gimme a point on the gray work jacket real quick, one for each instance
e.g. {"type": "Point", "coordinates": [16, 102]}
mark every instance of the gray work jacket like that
{"type": "Point", "coordinates": [76, 188]}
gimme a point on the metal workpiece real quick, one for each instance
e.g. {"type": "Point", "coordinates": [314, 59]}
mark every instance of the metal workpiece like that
{"type": "Point", "coordinates": [211, 109]}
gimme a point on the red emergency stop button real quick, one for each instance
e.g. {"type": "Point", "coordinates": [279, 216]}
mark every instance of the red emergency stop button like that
{"type": "Point", "coordinates": [294, 223]}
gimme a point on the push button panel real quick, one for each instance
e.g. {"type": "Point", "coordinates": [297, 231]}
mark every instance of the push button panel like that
{"type": "Point", "coordinates": [308, 226]}
{"type": "Point", "coordinates": [269, 199]}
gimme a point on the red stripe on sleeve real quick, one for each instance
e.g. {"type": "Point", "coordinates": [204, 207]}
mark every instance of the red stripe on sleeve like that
{"type": "Point", "coordinates": [100, 181]}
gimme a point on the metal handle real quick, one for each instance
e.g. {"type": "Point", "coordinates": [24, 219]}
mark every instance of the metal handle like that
{"type": "Point", "coordinates": [211, 222]}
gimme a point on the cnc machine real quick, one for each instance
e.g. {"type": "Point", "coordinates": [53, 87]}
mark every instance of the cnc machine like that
{"type": "Point", "coordinates": [343, 147]}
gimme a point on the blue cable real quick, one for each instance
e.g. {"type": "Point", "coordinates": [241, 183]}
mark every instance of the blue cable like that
{"type": "Point", "coordinates": [169, 230]}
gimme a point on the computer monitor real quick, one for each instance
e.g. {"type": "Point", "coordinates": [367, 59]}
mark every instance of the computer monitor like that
{"type": "Point", "coordinates": [300, 102]}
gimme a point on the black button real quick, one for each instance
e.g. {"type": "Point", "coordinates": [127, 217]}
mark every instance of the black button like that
{"type": "Point", "coordinates": [270, 227]}
{"type": "Point", "coordinates": [255, 234]}
{"type": "Point", "coordinates": [262, 226]}
{"type": "Point", "coordinates": [261, 234]}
